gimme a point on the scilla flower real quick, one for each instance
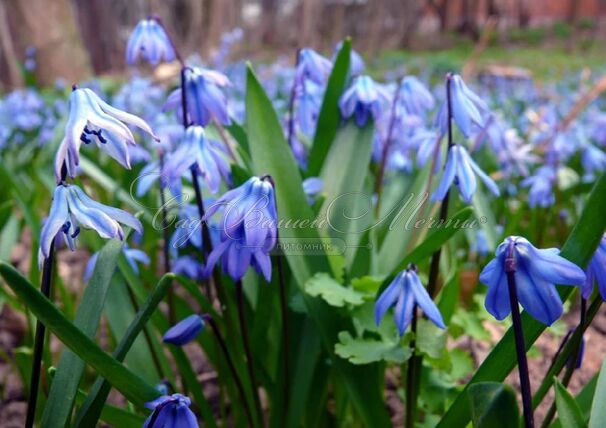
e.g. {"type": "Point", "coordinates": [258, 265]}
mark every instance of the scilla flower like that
{"type": "Point", "coordinates": [205, 97]}
{"type": "Point", "coordinates": [248, 229]}
{"type": "Point", "coordinates": [132, 256]}
{"type": "Point", "coordinates": [406, 292]}
{"type": "Point", "coordinates": [313, 66]}
{"type": "Point", "coordinates": [312, 187]}
{"type": "Point", "coordinates": [184, 331]}
{"type": "Point", "coordinates": [536, 273]}
{"type": "Point", "coordinates": [462, 170]}
{"type": "Point", "coordinates": [365, 98]}
{"type": "Point", "coordinates": [415, 97]}
{"type": "Point", "coordinates": [541, 187]}
{"type": "Point", "coordinates": [71, 207]}
{"type": "Point", "coordinates": [91, 117]}
{"type": "Point", "coordinates": [207, 156]}
{"type": "Point", "coordinates": [170, 411]}
{"type": "Point", "coordinates": [596, 271]}
{"type": "Point", "coordinates": [468, 109]}
{"type": "Point", "coordinates": [150, 43]}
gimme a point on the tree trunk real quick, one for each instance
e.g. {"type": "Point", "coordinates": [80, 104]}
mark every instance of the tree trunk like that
{"type": "Point", "coordinates": [9, 67]}
{"type": "Point", "coordinates": [50, 27]}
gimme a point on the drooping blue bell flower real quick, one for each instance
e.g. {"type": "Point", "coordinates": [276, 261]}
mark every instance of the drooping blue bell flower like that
{"type": "Point", "coordinates": [205, 97]}
{"type": "Point", "coordinates": [405, 292]}
{"type": "Point", "coordinates": [462, 170]}
{"type": "Point", "coordinates": [92, 118]}
{"type": "Point", "coordinates": [70, 208]}
{"type": "Point", "coordinates": [415, 97]}
{"type": "Point", "coordinates": [313, 66]}
{"type": "Point", "coordinates": [132, 256]}
{"type": "Point", "coordinates": [365, 98]}
{"type": "Point", "coordinates": [312, 187]}
{"type": "Point", "coordinates": [356, 63]}
{"type": "Point", "coordinates": [149, 42]}
{"type": "Point", "coordinates": [596, 271]}
{"type": "Point", "coordinates": [593, 160]}
{"type": "Point", "coordinates": [541, 187]}
{"type": "Point", "coordinates": [184, 331]}
{"type": "Point", "coordinates": [468, 109]}
{"type": "Point", "coordinates": [170, 411]}
{"type": "Point", "coordinates": [207, 156]}
{"type": "Point", "coordinates": [188, 266]}
{"type": "Point", "coordinates": [536, 273]}
{"type": "Point", "coordinates": [248, 229]}
{"type": "Point", "coordinates": [151, 173]}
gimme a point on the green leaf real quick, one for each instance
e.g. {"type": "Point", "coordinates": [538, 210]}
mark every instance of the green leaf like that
{"type": "Point", "coordinates": [330, 116]}
{"type": "Point", "coordinates": [365, 351]}
{"type": "Point", "coordinates": [568, 410]}
{"type": "Point", "coordinates": [271, 154]}
{"type": "Point", "coordinates": [91, 410]}
{"type": "Point", "coordinates": [9, 237]}
{"type": "Point", "coordinates": [130, 385]}
{"type": "Point", "coordinates": [485, 216]}
{"type": "Point", "coordinates": [598, 409]}
{"type": "Point", "coordinates": [493, 405]}
{"type": "Point", "coordinates": [70, 368]}
{"type": "Point", "coordinates": [344, 173]}
{"type": "Point", "coordinates": [579, 249]}
{"type": "Point", "coordinates": [323, 285]}
{"type": "Point", "coordinates": [430, 340]}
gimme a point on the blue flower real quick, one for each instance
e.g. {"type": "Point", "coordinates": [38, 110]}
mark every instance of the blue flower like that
{"type": "Point", "coordinates": [149, 42]}
{"type": "Point", "coordinates": [596, 271]}
{"type": "Point", "coordinates": [461, 169]}
{"type": "Point", "coordinates": [415, 97]}
{"type": "Point", "coordinates": [132, 256]}
{"type": "Point", "coordinates": [312, 187]}
{"type": "Point", "coordinates": [541, 187]}
{"type": "Point", "coordinates": [170, 411]}
{"type": "Point", "coordinates": [248, 229]}
{"type": "Point", "coordinates": [188, 266]}
{"type": "Point", "coordinates": [593, 160]}
{"type": "Point", "coordinates": [356, 63]}
{"type": "Point", "coordinates": [205, 98]}
{"type": "Point", "coordinates": [467, 108]}
{"type": "Point", "coordinates": [537, 270]}
{"type": "Point", "coordinates": [91, 118]}
{"type": "Point", "coordinates": [364, 98]}
{"type": "Point", "coordinates": [405, 292]}
{"type": "Point", "coordinates": [184, 331]}
{"type": "Point", "coordinates": [313, 66]}
{"type": "Point", "coordinates": [207, 156]}
{"type": "Point", "coordinates": [71, 207]}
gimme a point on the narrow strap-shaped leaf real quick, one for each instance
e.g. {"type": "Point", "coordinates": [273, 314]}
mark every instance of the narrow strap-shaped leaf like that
{"type": "Point", "coordinates": [129, 384]}
{"type": "Point", "coordinates": [579, 249]}
{"type": "Point", "coordinates": [91, 410]}
{"type": "Point", "coordinates": [70, 368]}
{"type": "Point", "coordinates": [115, 416]}
{"type": "Point", "coordinates": [569, 411]}
{"type": "Point", "coordinates": [493, 405]}
{"type": "Point", "coordinates": [330, 117]}
{"type": "Point", "coordinates": [598, 409]}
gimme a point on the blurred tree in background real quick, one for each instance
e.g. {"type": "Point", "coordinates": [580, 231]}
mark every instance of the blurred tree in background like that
{"type": "Point", "coordinates": [74, 38]}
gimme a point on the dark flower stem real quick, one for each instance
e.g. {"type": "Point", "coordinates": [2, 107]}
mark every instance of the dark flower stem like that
{"type": "Point", "coordinates": [415, 363]}
{"type": "Point", "coordinates": [386, 146]}
{"type": "Point", "coordinates": [414, 367]}
{"type": "Point", "coordinates": [510, 269]}
{"type": "Point", "coordinates": [284, 310]}
{"type": "Point", "coordinates": [247, 350]}
{"type": "Point", "coordinates": [45, 289]}
{"type": "Point", "coordinates": [230, 362]}
{"type": "Point", "coordinates": [573, 359]}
